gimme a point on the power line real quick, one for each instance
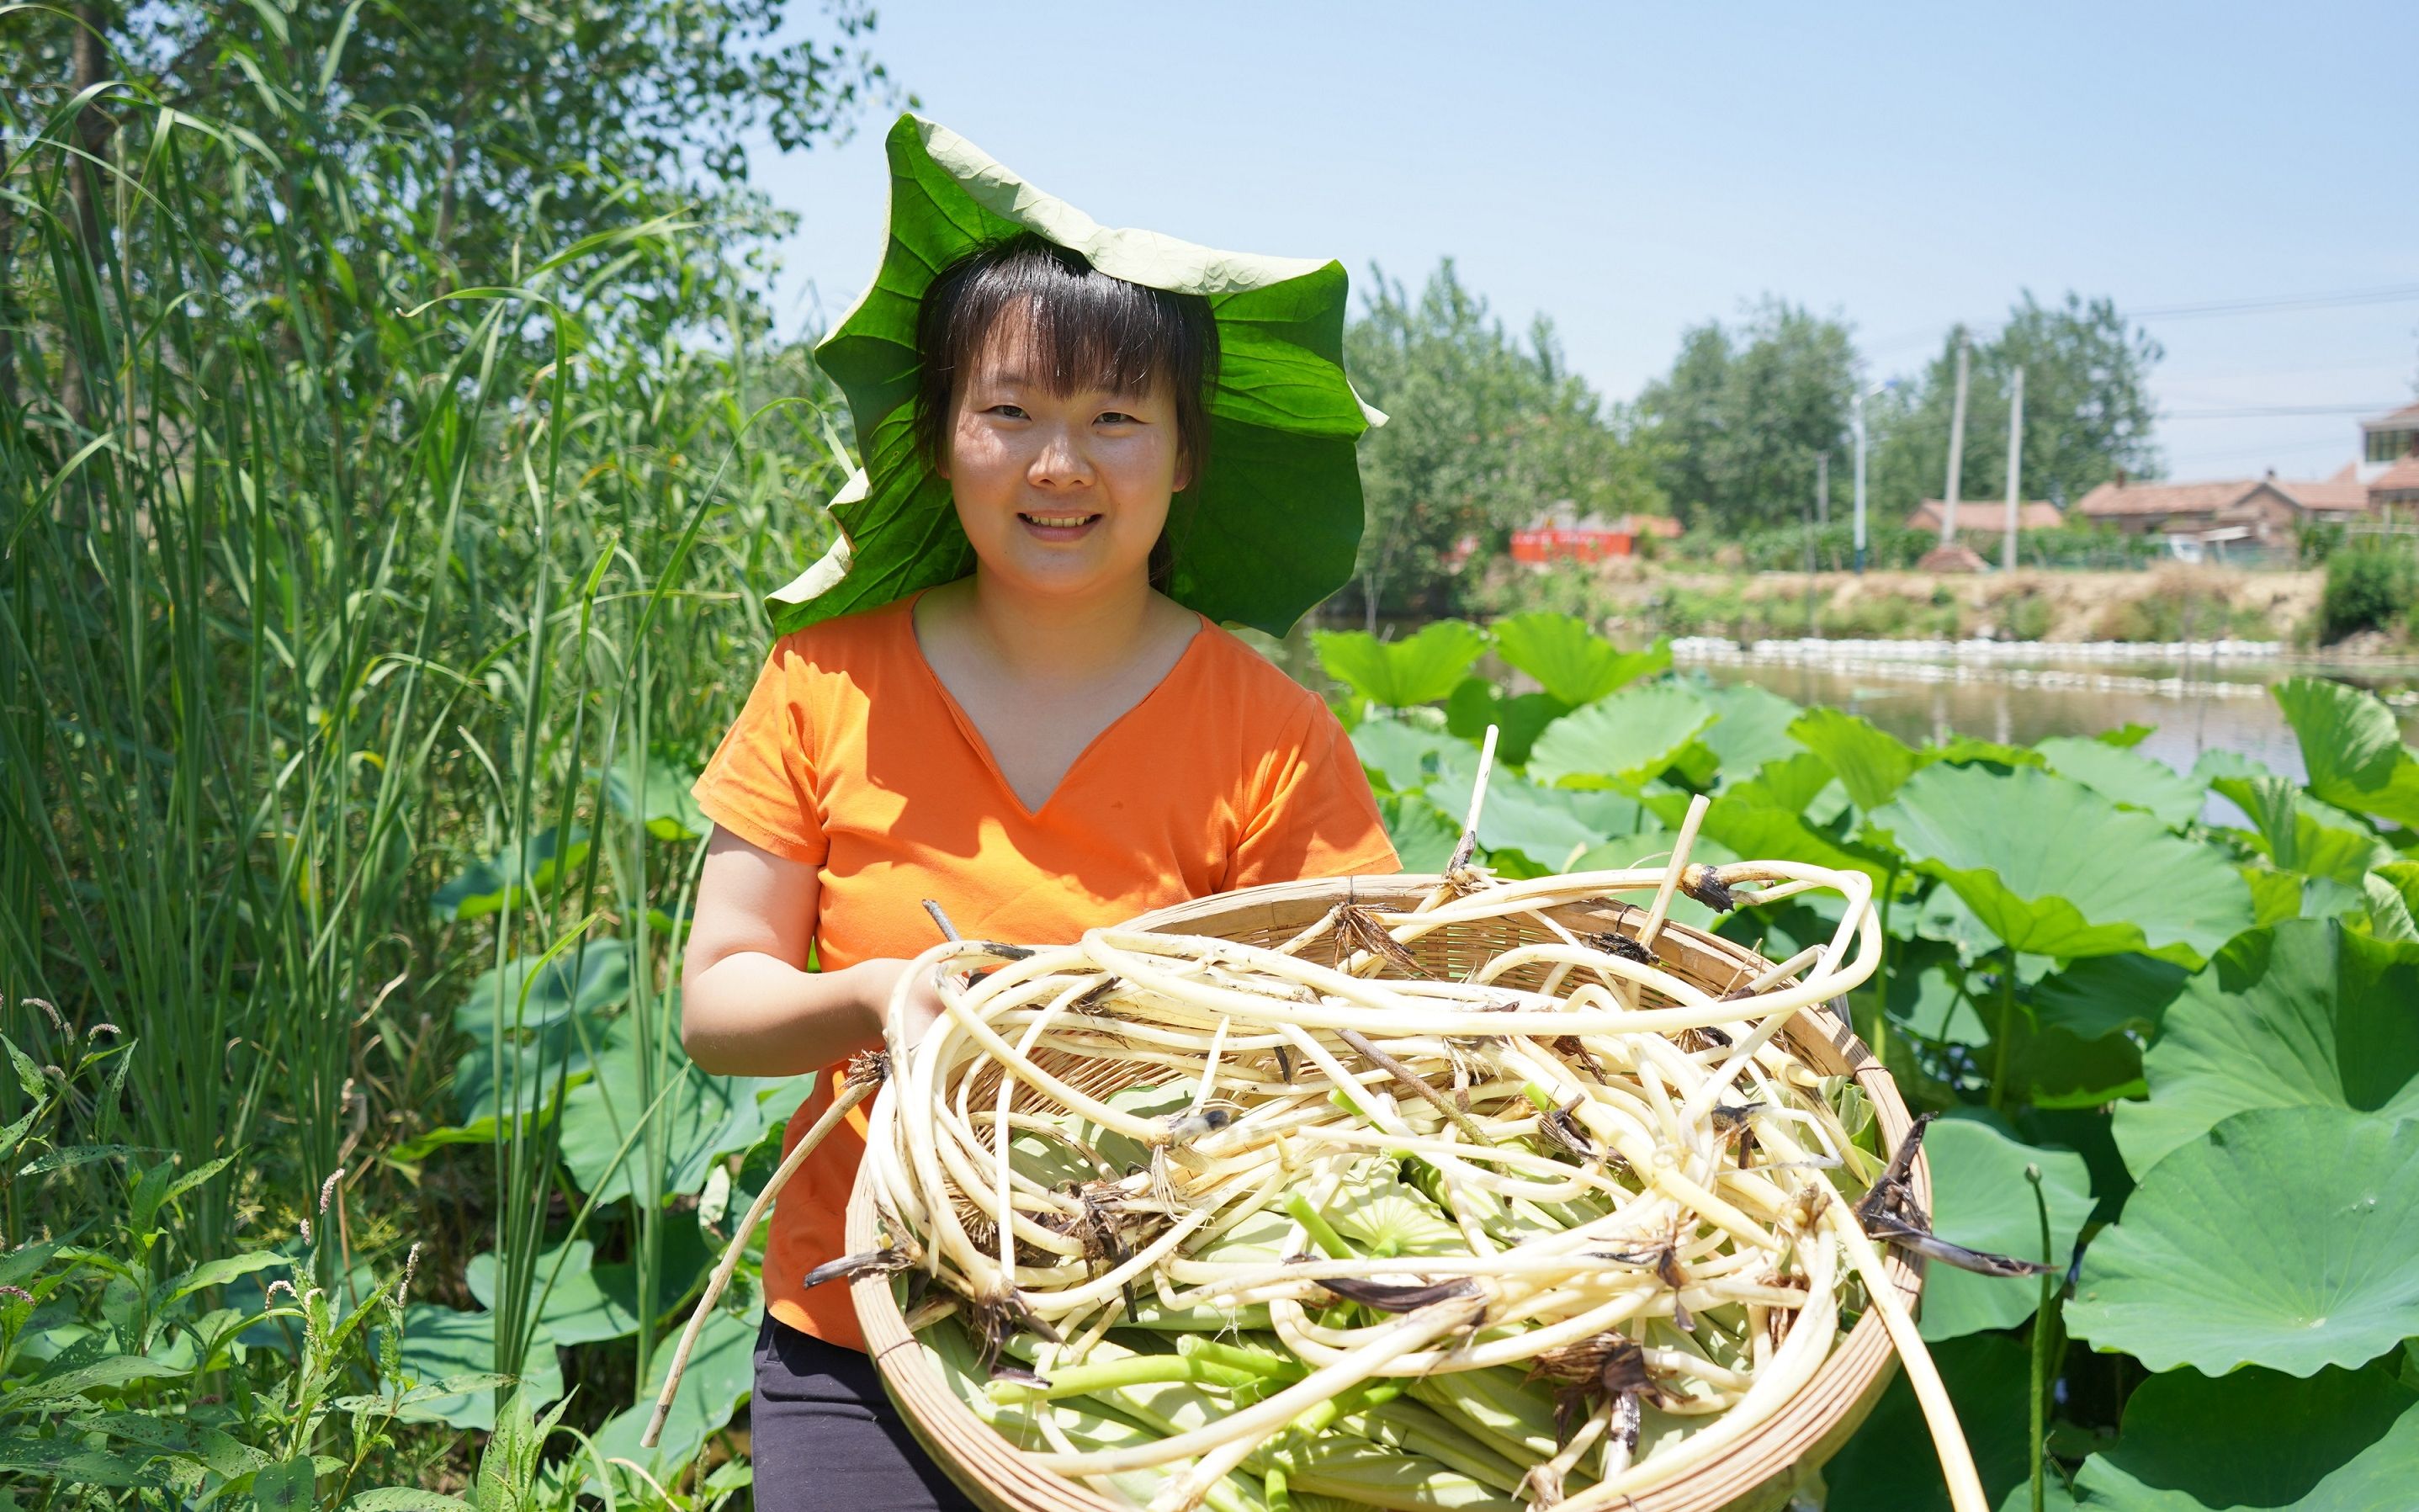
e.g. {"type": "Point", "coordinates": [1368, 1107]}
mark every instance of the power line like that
{"type": "Point", "coordinates": [2277, 411]}
{"type": "Point", "coordinates": [2201, 309]}
{"type": "Point", "coordinates": [2391, 294]}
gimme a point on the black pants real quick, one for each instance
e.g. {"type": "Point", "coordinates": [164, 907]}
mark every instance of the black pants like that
{"type": "Point", "coordinates": [826, 1437]}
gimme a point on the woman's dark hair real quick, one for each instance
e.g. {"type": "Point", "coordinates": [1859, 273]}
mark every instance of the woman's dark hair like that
{"type": "Point", "coordinates": [1090, 330]}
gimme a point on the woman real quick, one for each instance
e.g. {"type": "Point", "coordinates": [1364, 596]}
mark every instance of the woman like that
{"type": "Point", "coordinates": [1062, 738]}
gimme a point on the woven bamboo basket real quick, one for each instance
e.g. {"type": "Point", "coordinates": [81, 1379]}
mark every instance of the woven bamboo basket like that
{"type": "Point", "coordinates": [1756, 1475]}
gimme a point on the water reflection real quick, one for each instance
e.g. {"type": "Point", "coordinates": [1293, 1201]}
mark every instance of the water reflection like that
{"type": "Point", "coordinates": [1921, 701]}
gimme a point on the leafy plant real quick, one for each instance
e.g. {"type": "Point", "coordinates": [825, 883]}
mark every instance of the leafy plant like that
{"type": "Point", "coordinates": [2150, 1057]}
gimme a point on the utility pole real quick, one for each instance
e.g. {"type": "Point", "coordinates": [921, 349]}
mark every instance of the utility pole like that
{"type": "Point", "coordinates": [1823, 489]}
{"type": "Point", "coordinates": [1856, 426]}
{"type": "Point", "coordinates": [1956, 448]}
{"type": "Point", "coordinates": [2015, 468]}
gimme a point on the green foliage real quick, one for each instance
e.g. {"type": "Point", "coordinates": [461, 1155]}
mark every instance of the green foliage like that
{"type": "Point", "coordinates": [1572, 663]}
{"type": "Point", "coordinates": [2033, 855]}
{"type": "Point", "coordinates": [2283, 1237]}
{"type": "Point", "coordinates": [1422, 668]}
{"type": "Point", "coordinates": [1742, 415]}
{"type": "Point", "coordinates": [2367, 588]}
{"type": "Point", "coordinates": [2087, 407]}
{"type": "Point", "coordinates": [2193, 1441]}
{"type": "Point", "coordinates": [384, 634]}
{"type": "Point", "coordinates": [2352, 749]}
{"type": "Point", "coordinates": [2075, 975]}
{"type": "Point", "coordinates": [1622, 740]}
{"type": "Point", "coordinates": [2306, 1014]}
{"type": "Point", "coordinates": [1983, 1202]}
{"type": "Point", "coordinates": [1483, 432]}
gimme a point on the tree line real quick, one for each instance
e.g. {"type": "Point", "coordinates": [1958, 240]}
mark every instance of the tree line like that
{"type": "Point", "coordinates": [1489, 429]}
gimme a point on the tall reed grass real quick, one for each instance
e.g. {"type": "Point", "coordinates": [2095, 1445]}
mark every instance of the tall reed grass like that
{"type": "Point", "coordinates": [326, 578]}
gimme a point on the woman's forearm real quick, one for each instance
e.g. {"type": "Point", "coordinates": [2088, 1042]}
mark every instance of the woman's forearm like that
{"type": "Point", "coordinates": [754, 1014]}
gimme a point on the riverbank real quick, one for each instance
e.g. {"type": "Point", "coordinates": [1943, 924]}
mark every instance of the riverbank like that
{"type": "Point", "coordinates": [2163, 605]}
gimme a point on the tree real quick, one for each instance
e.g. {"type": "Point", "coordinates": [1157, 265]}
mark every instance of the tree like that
{"type": "Point", "coordinates": [1744, 413]}
{"type": "Point", "coordinates": [2087, 408]}
{"type": "Point", "coordinates": [485, 132]}
{"type": "Point", "coordinates": [1483, 432]}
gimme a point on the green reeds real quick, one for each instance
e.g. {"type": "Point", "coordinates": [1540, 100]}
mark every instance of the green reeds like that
{"type": "Point", "coordinates": [327, 573]}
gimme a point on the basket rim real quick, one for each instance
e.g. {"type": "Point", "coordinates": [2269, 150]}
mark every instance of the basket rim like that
{"type": "Point", "coordinates": [1806, 1431]}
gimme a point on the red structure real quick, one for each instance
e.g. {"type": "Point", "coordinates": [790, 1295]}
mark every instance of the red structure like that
{"type": "Point", "coordinates": [1561, 534]}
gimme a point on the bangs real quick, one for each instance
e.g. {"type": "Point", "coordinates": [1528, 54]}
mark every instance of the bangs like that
{"type": "Point", "coordinates": [1080, 329]}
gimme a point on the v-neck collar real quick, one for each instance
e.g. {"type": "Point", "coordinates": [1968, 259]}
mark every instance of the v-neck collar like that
{"type": "Point", "coordinates": [974, 734]}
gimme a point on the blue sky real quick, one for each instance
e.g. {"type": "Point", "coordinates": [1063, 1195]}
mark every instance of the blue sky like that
{"type": "Point", "coordinates": [1632, 170]}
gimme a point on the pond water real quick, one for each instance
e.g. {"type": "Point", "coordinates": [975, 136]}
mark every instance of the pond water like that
{"type": "Point", "coordinates": [2194, 703]}
{"type": "Point", "coordinates": [2192, 708]}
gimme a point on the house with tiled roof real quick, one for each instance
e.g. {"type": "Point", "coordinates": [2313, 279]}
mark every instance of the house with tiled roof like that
{"type": "Point", "coordinates": [2388, 468]}
{"type": "Point", "coordinates": [2381, 485]}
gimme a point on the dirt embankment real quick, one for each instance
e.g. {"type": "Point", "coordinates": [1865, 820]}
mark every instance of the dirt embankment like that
{"type": "Point", "coordinates": [2170, 603]}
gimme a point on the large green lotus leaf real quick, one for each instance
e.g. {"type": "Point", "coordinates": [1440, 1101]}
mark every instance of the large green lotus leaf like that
{"type": "Point", "coordinates": [1621, 739]}
{"type": "Point", "coordinates": [1871, 762]}
{"type": "Point", "coordinates": [1888, 1466]}
{"type": "Point", "coordinates": [1421, 667]}
{"type": "Point", "coordinates": [1570, 661]}
{"type": "Point", "coordinates": [1751, 727]}
{"type": "Point", "coordinates": [2342, 1440]}
{"type": "Point", "coordinates": [2283, 1237]}
{"type": "Point", "coordinates": [2302, 834]}
{"type": "Point", "coordinates": [1795, 782]}
{"type": "Point", "coordinates": [549, 1035]}
{"type": "Point", "coordinates": [2127, 778]}
{"type": "Point", "coordinates": [577, 1309]}
{"type": "Point", "coordinates": [2307, 1014]}
{"type": "Point", "coordinates": [701, 1119]}
{"type": "Point", "coordinates": [1519, 720]}
{"type": "Point", "coordinates": [439, 1344]}
{"type": "Point", "coordinates": [1273, 523]}
{"type": "Point", "coordinates": [1401, 756]}
{"type": "Point", "coordinates": [2053, 1067]}
{"type": "Point", "coordinates": [1550, 824]}
{"type": "Point", "coordinates": [2275, 896]}
{"type": "Point", "coordinates": [1981, 1199]}
{"type": "Point", "coordinates": [1754, 821]}
{"type": "Point", "coordinates": [1424, 835]}
{"type": "Point", "coordinates": [1969, 750]}
{"type": "Point", "coordinates": [2218, 762]}
{"type": "Point", "coordinates": [1945, 917]}
{"type": "Point", "coordinates": [2391, 892]}
{"type": "Point", "coordinates": [2055, 869]}
{"type": "Point", "coordinates": [2107, 995]}
{"type": "Point", "coordinates": [2352, 748]}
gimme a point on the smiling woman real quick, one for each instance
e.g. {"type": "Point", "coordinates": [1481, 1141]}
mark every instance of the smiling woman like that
{"type": "Point", "coordinates": [985, 697]}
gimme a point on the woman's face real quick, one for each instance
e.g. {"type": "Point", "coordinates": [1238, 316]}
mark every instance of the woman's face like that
{"type": "Point", "coordinates": [1060, 494]}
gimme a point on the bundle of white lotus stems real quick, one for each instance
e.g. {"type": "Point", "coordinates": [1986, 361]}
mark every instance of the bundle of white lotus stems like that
{"type": "Point", "coordinates": [1333, 1177]}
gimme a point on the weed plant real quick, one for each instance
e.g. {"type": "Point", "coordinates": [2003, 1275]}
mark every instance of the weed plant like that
{"type": "Point", "coordinates": [358, 633]}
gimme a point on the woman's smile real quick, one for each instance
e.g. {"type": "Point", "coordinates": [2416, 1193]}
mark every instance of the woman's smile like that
{"type": "Point", "coordinates": [1058, 524]}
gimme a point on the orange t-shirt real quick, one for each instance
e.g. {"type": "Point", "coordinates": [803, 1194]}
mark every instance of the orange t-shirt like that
{"type": "Point", "coordinates": [1226, 775]}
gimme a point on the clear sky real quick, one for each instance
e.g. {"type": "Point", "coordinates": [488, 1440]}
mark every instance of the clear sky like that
{"type": "Point", "coordinates": [1630, 170]}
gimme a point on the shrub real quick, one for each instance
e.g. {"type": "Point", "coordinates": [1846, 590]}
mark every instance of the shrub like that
{"type": "Point", "coordinates": [2368, 588]}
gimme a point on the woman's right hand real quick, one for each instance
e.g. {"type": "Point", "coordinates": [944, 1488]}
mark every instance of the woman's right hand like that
{"type": "Point", "coordinates": [918, 1012]}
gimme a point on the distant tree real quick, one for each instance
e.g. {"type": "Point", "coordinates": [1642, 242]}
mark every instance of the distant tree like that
{"type": "Point", "coordinates": [1740, 418]}
{"type": "Point", "coordinates": [1483, 432]}
{"type": "Point", "coordinates": [2087, 408]}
